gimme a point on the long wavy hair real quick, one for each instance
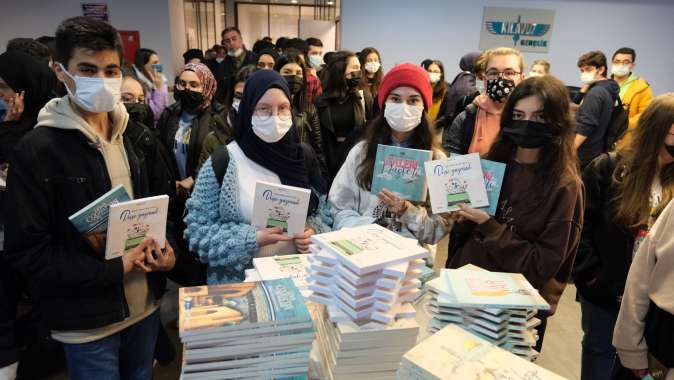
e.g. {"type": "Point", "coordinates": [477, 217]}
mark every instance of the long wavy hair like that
{"type": "Point", "coordinates": [639, 164]}
{"type": "Point", "coordinates": [378, 76]}
{"type": "Point", "coordinates": [557, 159]}
{"type": "Point", "coordinates": [379, 132]}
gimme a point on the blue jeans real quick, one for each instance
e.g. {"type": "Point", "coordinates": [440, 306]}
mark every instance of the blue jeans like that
{"type": "Point", "coordinates": [127, 354]}
{"type": "Point", "coordinates": [598, 352]}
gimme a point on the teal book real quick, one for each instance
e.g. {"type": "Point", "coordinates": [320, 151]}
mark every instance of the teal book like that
{"type": "Point", "coordinates": [92, 221]}
{"type": "Point", "coordinates": [401, 170]}
{"type": "Point", "coordinates": [493, 180]}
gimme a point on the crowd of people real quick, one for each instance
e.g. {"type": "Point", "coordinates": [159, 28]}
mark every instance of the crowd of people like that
{"type": "Point", "coordinates": [585, 199]}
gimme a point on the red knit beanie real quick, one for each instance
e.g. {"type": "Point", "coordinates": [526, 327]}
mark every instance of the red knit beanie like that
{"type": "Point", "coordinates": [406, 75]}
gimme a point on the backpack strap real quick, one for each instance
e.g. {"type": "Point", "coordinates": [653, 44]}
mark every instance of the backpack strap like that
{"type": "Point", "coordinates": [219, 162]}
{"type": "Point", "coordinates": [468, 127]}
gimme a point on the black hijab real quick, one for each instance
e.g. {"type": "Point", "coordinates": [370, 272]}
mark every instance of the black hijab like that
{"type": "Point", "coordinates": [23, 72]}
{"type": "Point", "coordinates": [284, 157]}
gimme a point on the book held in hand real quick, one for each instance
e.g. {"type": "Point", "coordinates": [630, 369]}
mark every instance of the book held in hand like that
{"type": "Point", "coordinates": [401, 170]}
{"type": "Point", "coordinates": [281, 206]}
{"type": "Point", "coordinates": [493, 180]}
{"type": "Point", "coordinates": [132, 222]}
{"type": "Point", "coordinates": [456, 180]}
{"type": "Point", "coordinates": [92, 221]}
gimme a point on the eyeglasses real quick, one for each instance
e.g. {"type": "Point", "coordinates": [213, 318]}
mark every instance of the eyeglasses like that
{"type": "Point", "coordinates": [192, 85]}
{"type": "Point", "coordinates": [284, 112]}
{"type": "Point", "coordinates": [506, 74]}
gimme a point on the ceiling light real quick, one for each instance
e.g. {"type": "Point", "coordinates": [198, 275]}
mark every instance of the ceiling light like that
{"type": "Point", "coordinates": [331, 3]}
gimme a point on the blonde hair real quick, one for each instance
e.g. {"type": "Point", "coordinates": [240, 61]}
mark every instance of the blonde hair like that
{"type": "Point", "coordinates": [490, 53]}
{"type": "Point", "coordinates": [542, 62]}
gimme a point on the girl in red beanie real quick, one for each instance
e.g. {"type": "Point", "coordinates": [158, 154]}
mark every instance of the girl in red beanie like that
{"type": "Point", "coordinates": [405, 95]}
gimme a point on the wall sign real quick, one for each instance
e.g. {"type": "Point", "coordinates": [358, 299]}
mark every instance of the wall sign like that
{"type": "Point", "coordinates": [524, 29]}
{"type": "Point", "coordinates": [98, 11]}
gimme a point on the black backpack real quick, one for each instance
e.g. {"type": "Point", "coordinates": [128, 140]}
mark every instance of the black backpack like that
{"type": "Point", "coordinates": [219, 162]}
{"type": "Point", "coordinates": [617, 126]}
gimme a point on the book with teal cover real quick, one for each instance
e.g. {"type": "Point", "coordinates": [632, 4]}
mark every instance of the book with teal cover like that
{"type": "Point", "coordinates": [249, 305]}
{"type": "Point", "coordinates": [493, 180]}
{"type": "Point", "coordinates": [92, 221]}
{"type": "Point", "coordinates": [401, 170]}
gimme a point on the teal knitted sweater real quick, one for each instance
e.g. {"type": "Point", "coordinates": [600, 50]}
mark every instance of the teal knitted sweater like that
{"type": "Point", "coordinates": [220, 237]}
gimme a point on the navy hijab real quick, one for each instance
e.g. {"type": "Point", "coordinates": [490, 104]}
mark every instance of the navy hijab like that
{"type": "Point", "coordinates": [284, 157]}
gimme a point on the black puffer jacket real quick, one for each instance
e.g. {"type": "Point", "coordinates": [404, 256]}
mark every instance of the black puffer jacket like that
{"type": "Point", "coordinates": [309, 128]}
{"type": "Point", "coordinates": [605, 252]}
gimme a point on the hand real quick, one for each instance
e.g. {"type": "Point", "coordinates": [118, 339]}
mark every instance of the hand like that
{"type": "Point", "coordinates": [302, 241]}
{"type": "Point", "coordinates": [452, 216]}
{"type": "Point", "coordinates": [268, 236]}
{"type": "Point", "coordinates": [473, 214]}
{"type": "Point", "coordinates": [184, 187]}
{"type": "Point", "coordinates": [393, 203]}
{"type": "Point", "coordinates": [584, 88]}
{"type": "Point", "coordinates": [640, 373]}
{"type": "Point", "coordinates": [138, 253]}
{"type": "Point", "coordinates": [158, 260]}
{"type": "Point", "coordinates": [157, 78]}
{"type": "Point", "coordinates": [15, 107]}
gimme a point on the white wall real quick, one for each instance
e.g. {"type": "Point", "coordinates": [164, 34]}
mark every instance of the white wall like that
{"type": "Point", "coordinates": [410, 31]}
{"type": "Point", "coordinates": [160, 23]}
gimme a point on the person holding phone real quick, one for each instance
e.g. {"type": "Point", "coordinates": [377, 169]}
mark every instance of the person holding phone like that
{"type": "Point", "coordinates": [149, 72]}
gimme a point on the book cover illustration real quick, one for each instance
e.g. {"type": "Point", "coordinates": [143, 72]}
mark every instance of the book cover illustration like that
{"type": "Point", "coordinates": [281, 206]}
{"type": "Point", "coordinates": [287, 266]}
{"type": "Point", "coordinates": [132, 221]}
{"type": "Point", "coordinates": [92, 221]}
{"type": "Point", "coordinates": [494, 173]}
{"type": "Point", "coordinates": [204, 308]}
{"type": "Point", "coordinates": [400, 170]}
{"type": "Point", "coordinates": [455, 180]}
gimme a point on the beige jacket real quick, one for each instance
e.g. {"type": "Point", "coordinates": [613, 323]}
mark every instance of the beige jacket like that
{"type": "Point", "coordinates": [651, 278]}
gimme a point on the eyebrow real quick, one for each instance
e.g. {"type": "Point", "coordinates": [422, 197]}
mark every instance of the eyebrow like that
{"type": "Point", "coordinates": [93, 66]}
{"type": "Point", "coordinates": [537, 111]}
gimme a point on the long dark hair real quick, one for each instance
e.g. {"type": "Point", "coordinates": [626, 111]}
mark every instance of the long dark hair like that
{"type": "Point", "coordinates": [241, 76]}
{"type": "Point", "coordinates": [334, 81]}
{"type": "Point", "coordinates": [440, 87]}
{"type": "Point", "coordinates": [376, 81]}
{"type": "Point", "coordinates": [639, 164]}
{"type": "Point", "coordinates": [141, 59]}
{"type": "Point", "coordinates": [292, 57]}
{"type": "Point", "coordinates": [557, 159]}
{"type": "Point", "coordinates": [379, 132]}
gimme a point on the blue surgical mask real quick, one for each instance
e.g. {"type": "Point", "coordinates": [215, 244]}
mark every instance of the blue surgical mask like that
{"type": "Point", "coordinates": [3, 109]}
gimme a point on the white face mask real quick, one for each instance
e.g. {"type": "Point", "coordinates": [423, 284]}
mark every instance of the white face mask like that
{"type": "Point", "coordinates": [620, 70]}
{"type": "Point", "coordinates": [402, 117]}
{"type": "Point", "coordinates": [535, 74]}
{"type": "Point", "coordinates": [219, 59]}
{"type": "Point", "coordinates": [372, 67]}
{"type": "Point", "coordinates": [587, 77]}
{"type": "Point", "coordinates": [95, 94]}
{"type": "Point", "coordinates": [235, 104]}
{"type": "Point", "coordinates": [271, 129]}
{"type": "Point", "coordinates": [434, 77]}
{"type": "Point", "coordinates": [479, 86]}
{"type": "Point", "coordinates": [316, 61]}
{"type": "Point", "coordinates": [235, 53]}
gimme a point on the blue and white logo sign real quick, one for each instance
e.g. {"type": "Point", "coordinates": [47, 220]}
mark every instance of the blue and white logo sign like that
{"type": "Point", "coordinates": [524, 29]}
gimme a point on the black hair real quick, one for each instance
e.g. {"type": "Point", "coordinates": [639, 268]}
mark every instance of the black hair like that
{"type": "Point", "coordinates": [313, 41]}
{"type": "Point", "coordinates": [595, 59]}
{"type": "Point", "coordinates": [30, 47]}
{"type": "Point", "coordinates": [241, 76]}
{"type": "Point", "coordinates": [267, 39]}
{"type": "Point", "coordinates": [440, 87]}
{"type": "Point", "coordinates": [281, 43]}
{"type": "Point", "coordinates": [298, 101]}
{"type": "Point", "coordinates": [298, 45]}
{"type": "Point", "coordinates": [378, 76]}
{"type": "Point", "coordinates": [141, 59]}
{"type": "Point", "coordinates": [334, 80]}
{"type": "Point", "coordinates": [261, 45]}
{"type": "Point", "coordinates": [626, 50]}
{"type": "Point", "coordinates": [230, 29]}
{"type": "Point", "coordinates": [85, 33]}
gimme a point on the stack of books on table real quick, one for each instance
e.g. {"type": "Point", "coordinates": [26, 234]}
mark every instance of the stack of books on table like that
{"type": "Point", "coordinates": [366, 273]}
{"type": "Point", "coordinates": [286, 266]}
{"type": "Point", "coordinates": [367, 351]}
{"type": "Point", "coordinates": [454, 353]}
{"type": "Point", "coordinates": [498, 307]}
{"type": "Point", "coordinates": [250, 330]}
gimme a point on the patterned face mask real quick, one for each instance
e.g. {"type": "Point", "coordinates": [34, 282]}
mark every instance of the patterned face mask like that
{"type": "Point", "coordinates": [499, 89]}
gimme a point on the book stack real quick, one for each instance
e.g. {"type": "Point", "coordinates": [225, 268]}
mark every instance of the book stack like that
{"type": "Point", "coordinates": [454, 353]}
{"type": "Point", "coordinates": [245, 331]}
{"type": "Point", "coordinates": [366, 273]}
{"type": "Point", "coordinates": [498, 307]}
{"type": "Point", "coordinates": [368, 351]}
{"type": "Point", "coordinates": [286, 266]}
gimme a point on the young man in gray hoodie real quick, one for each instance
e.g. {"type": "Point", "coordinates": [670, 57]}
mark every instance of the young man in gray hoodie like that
{"type": "Point", "coordinates": [105, 312]}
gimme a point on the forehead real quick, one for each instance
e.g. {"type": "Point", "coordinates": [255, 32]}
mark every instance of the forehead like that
{"type": "Point", "coordinates": [266, 58]}
{"type": "Point", "coordinates": [231, 34]}
{"type": "Point", "coordinates": [372, 55]}
{"type": "Point", "coordinates": [132, 86]}
{"type": "Point", "coordinates": [623, 57]}
{"type": "Point", "coordinates": [405, 91]}
{"type": "Point", "coordinates": [529, 104]}
{"type": "Point", "coordinates": [587, 68]}
{"type": "Point", "coordinates": [434, 68]}
{"type": "Point", "coordinates": [502, 62]}
{"type": "Point", "coordinates": [99, 58]}
{"type": "Point", "coordinates": [291, 66]}
{"type": "Point", "coordinates": [273, 96]}
{"type": "Point", "coordinates": [352, 61]}
{"type": "Point", "coordinates": [189, 75]}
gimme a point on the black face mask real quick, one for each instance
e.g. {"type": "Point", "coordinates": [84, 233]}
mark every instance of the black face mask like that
{"type": "Point", "coordinates": [355, 79]}
{"type": "Point", "coordinates": [498, 90]}
{"type": "Point", "coordinates": [670, 149]}
{"type": "Point", "coordinates": [295, 83]}
{"type": "Point", "coordinates": [189, 100]}
{"type": "Point", "coordinates": [529, 134]}
{"type": "Point", "coordinates": [139, 112]}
